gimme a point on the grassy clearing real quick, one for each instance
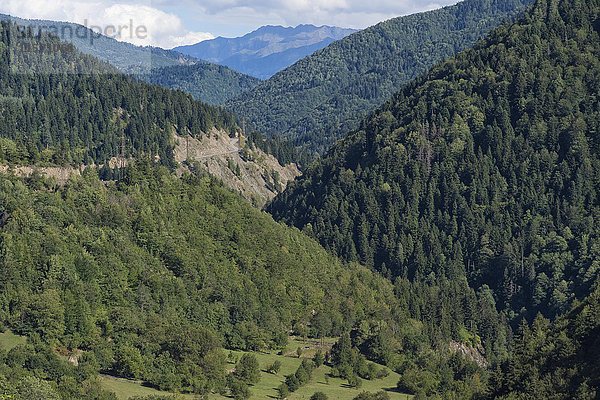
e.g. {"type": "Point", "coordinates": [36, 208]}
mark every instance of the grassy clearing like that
{"type": "Point", "coordinates": [9, 340]}
{"type": "Point", "coordinates": [334, 388]}
{"type": "Point", "coordinates": [125, 389]}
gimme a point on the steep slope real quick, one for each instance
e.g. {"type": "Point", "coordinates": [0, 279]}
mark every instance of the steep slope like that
{"type": "Point", "coordinates": [267, 50]}
{"type": "Point", "coordinates": [487, 167]}
{"type": "Point", "coordinates": [324, 96]}
{"type": "Point", "coordinates": [211, 83]}
{"type": "Point", "coordinates": [65, 108]}
{"type": "Point", "coordinates": [149, 278]}
{"type": "Point", "coordinates": [555, 361]}
{"type": "Point", "coordinates": [239, 164]}
{"type": "Point", "coordinates": [124, 56]}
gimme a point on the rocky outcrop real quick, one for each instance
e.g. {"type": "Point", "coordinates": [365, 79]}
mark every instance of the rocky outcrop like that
{"type": "Point", "coordinates": [475, 354]}
{"type": "Point", "coordinates": [256, 175]}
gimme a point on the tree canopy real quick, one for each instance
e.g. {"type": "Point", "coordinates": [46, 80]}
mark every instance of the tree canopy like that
{"type": "Point", "coordinates": [61, 107]}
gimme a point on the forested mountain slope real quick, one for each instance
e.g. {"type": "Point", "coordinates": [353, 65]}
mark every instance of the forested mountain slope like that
{"type": "Point", "coordinates": [61, 107]}
{"type": "Point", "coordinates": [322, 97]}
{"type": "Point", "coordinates": [211, 83]}
{"type": "Point", "coordinates": [559, 361]}
{"type": "Point", "coordinates": [486, 167]}
{"type": "Point", "coordinates": [267, 50]}
{"type": "Point", "coordinates": [152, 276]}
{"type": "Point", "coordinates": [124, 56]}
{"type": "Point", "coordinates": [207, 82]}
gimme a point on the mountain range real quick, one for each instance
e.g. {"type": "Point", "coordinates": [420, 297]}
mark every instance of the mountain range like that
{"type": "Point", "coordinates": [122, 55]}
{"type": "Point", "coordinates": [322, 97]}
{"type": "Point", "coordinates": [267, 50]}
{"type": "Point", "coordinates": [211, 83]}
{"type": "Point", "coordinates": [446, 246]}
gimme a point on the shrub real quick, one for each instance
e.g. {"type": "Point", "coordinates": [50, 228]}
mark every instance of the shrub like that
{"type": "Point", "coordinates": [247, 369]}
{"type": "Point", "coordinates": [355, 382]}
{"type": "Point", "coordinates": [370, 396]}
{"type": "Point", "coordinates": [318, 396]}
{"type": "Point", "coordinates": [292, 382]}
{"type": "Point", "coordinates": [239, 389]}
{"type": "Point", "coordinates": [283, 391]}
{"type": "Point", "coordinates": [382, 373]}
{"type": "Point", "coordinates": [274, 368]}
{"type": "Point", "coordinates": [318, 359]}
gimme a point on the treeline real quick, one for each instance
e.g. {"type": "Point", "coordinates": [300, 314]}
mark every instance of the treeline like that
{"type": "Point", "coordinates": [322, 97]}
{"type": "Point", "coordinates": [64, 108]}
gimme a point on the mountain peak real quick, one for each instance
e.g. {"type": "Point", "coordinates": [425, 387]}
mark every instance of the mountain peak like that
{"type": "Point", "coordinates": [268, 49]}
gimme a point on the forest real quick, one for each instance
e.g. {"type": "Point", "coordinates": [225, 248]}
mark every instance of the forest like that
{"type": "Point", "coordinates": [60, 107]}
{"type": "Point", "coordinates": [150, 278]}
{"type": "Point", "coordinates": [452, 238]}
{"type": "Point", "coordinates": [485, 169]}
{"type": "Point", "coordinates": [324, 96]}
{"type": "Point", "coordinates": [210, 83]}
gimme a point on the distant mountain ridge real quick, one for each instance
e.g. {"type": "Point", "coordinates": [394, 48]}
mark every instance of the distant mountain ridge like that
{"type": "Point", "coordinates": [125, 56]}
{"type": "Point", "coordinates": [322, 97]}
{"type": "Point", "coordinates": [207, 82]}
{"type": "Point", "coordinates": [267, 50]}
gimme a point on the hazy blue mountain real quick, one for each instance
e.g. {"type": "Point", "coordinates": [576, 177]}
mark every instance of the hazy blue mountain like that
{"type": "Point", "coordinates": [267, 50]}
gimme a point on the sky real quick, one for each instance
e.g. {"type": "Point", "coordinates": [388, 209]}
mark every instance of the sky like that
{"type": "Point", "coordinates": [171, 23]}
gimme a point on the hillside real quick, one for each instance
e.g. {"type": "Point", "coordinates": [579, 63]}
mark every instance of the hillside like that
{"type": "Point", "coordinates": [151, 276]}
{"type": "Point", "coordinates": [555, 361]}
{"type": "Point", "coordinates": [242, 167]}
{"type": "Point", "coordinates": [210, 83]}
{"type": "Point", "coordinates": [487, 168]}
{"type": "Point", "coordinates": [60, 107]}
{"type": "Point", "coordinates": [267, 50]}
{"type": "Point", "coordinates": [335, 388]}
{"type": "Point", "coordinates": [324, 96]}
{"type": "Point", "coordinates": [447, 248]}
{"type": "Point", "coordinates": [124, 56]}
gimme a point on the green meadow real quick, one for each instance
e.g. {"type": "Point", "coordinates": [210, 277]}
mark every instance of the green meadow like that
{"type": "Point", "coordinates": [9, 340]}
{"type": "Point", "coordinates": [334, 388]}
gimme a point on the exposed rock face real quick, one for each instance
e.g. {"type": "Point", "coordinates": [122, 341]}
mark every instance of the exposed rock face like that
{"type": "Point", "coordinates": [61, 174]}
{"type": "Point", "coordinates": [475, 354]}
{"type": "Point", "coordinates": [256, 175]}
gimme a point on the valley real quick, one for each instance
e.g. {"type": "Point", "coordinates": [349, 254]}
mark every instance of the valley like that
{"type": "Point", "coordinates": [407, 210]}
